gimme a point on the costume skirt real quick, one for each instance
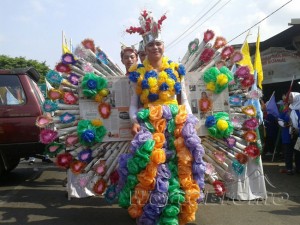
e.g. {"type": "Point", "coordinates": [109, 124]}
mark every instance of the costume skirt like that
{"type": "Point", "coordinates": [162, 177]}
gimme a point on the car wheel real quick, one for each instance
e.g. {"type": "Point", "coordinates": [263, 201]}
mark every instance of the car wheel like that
{"type": "Point", "coordinates": [2, 168]}
{"type": "Point", "coordinates": [13, 164]}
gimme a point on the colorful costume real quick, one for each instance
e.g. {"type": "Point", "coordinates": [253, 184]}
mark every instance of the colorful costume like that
{"type": "Point", "coordinates": [162, 177]}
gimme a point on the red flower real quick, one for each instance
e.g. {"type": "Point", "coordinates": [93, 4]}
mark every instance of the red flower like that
{"type": "Point", "coordinates": [247, 81]}
{"type": "Point", "coordinates": [220, 42]}
{"type": "Point", "coordinates": [208, 35]}
{"type": "Point", "coordinates": [70, 98]}
{"type": "Point", "coordinates": [252, 151]}
{"type": "Point", "coordinates": [114, 177]}
{"type": "Point", "coordinates": [219, 188]}
{"type": "Point", "coordinates": [207, 55]}
{"type": "Point", "coordinates": [241, 158]}
{"type": "Point", "coordinates": [63, 68]}
{"type": "Point", "coordinates": [227, 52]}
{"type": "Point", "coordinates": [64, 160]}
{"type": "Point", "coordinates": [100, 186]}
{"type": "Point", "coordinates": [89, 44]}
{"type": "Point", "coordinates": [77, 166]}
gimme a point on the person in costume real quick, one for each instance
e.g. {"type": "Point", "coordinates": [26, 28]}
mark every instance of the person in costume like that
{"type": "Point", "coordinates": [162, 176]}
{"type": "Point", "coordinates": [141, 52]}
{"type": "Point", "coordinates": [205, 103]}
{"type": "Point", "coordinates": [129, 57]}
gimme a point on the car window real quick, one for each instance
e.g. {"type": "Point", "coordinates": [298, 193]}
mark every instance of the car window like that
{"type": "Point", "coordinates": [11, 90]}
{"type": "Point", "coordinates": [37, 92]}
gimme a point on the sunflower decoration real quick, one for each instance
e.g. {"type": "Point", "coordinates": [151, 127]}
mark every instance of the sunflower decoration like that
{"type": "Point", "coordinates": [217, 79]}
{"type": "Point", "coordinates": [94, 87]}
{"type": "Point", "coordinates": [219, 125]}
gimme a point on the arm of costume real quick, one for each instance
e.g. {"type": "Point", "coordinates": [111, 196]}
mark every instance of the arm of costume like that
{"type": "Point", "coordinates": [184, 99]}
{"type": "Point", "coordinates": [133, 108]}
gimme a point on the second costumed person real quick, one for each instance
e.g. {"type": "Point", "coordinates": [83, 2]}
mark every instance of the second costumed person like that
{"type": "Point", "coordinates": [162, 176]}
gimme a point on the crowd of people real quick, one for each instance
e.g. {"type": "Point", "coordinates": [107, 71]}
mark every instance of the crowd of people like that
{"type": "Point", "coordinates": [282, 132]}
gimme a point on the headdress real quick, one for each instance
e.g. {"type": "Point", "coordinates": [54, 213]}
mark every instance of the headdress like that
{"type": "Point", "coordinates": [126, 48]}
{"type": "Point", "coordinates": [149, 28]}
{"type": "Point", "coordinates": [141, 47]}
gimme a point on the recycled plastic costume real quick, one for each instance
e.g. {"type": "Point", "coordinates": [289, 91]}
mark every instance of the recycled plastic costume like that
{"type": "Point", "coordinates": [162, 176]}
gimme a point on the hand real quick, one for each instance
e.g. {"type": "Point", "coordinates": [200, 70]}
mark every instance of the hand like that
{"type": "Point", "coordinates": [135, 129]}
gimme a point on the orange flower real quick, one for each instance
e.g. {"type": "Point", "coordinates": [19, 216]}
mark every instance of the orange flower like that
{"type": "Point", "coordinates": [151, 169]}
{"type": "Point", "coordinates": [146, 187]}
{"type": "Point", "coordinates": [179, 143]}
{"type": "Point", "coordinates": [156, 112]}
{"type": "Point", "coordinates": [159, 125]}
{"type": "Point", "coordinates": [180, 118]}
{"type": "Point", "coordinates": [77, 166]}
{"type": "Point", "coordinates": [140, 196]}
{"type": "Point", "coordinates": [177, 131]}
{"type": "Point", "coordinates": [184, 155]}
{"type": "Point", "coordinates": [146, 181]}
{"type": "Point", "coordinates": [192, 194]}
{"type": "Point", "coordinates": [186, 182]}
{"type": "Point", "coordinates": [159, 139]}
{"type": "Point", "coordinates": [135, 211]}
{"type": "Point", "coordinates": [158, 156]}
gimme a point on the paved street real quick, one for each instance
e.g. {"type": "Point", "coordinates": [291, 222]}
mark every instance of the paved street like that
{"type": "Point", "coordinates": [35, 195]}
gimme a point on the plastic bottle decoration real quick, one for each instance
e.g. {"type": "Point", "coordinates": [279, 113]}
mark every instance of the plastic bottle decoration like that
{"type": "Point", "coordinates": [219, 125]}
{"type": "Point", "coordinates": [217, 80]}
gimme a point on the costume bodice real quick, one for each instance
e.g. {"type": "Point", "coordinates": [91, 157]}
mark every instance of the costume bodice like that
{"type": "Point", "coordinates": [157, 88]}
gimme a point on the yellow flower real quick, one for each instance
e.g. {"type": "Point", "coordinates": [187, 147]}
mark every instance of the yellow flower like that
{"type": "Point", "coordinates": [104, 92]}
{"type": "Point", "coordinates": [133, 68]}
{"type": "Point", "coordinates": [211, 86]}
{"type": "Point", "coordinates": [172, 65]}
{"type": "Point", "coordinates": [222, 79]}
{"type": "Point", "coordinates": [163, 74]}
{"type": "Point", "coordinates": [141, 70]}
{"type": "Point", "coordinates": [145, 92]}
{"type": "Point", "coordinates": [170, 82]}
{"type": "Point", "coordinates": [152, 82]}
{"type": "Point", "coordinates": [222, 124]}
{"type": "Point", "coordinates": [98, 98]}
{"type": "Point", "coordinates": [154, 89]}
{"type": "Point", "coordinates": [164, 95]}
{"type": "Point", "coordinates": [144, 98]}
{"type": "Point", "coordinates": [160, 81]}
{"type": "Point", "coordinates": [97, 122]}
{"type": "Point", "coordinates": [147, 65]}
{"type": "Point", "coordinates": [176, 74]}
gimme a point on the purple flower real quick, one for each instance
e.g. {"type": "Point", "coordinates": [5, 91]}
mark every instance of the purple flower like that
{"type": "Point", "coordinates": [159, 199]}
{"type": "Point", "coordinates": [167, 112]}
{"type": "Point", "coordinates": [145, 220]}
{"type": "Point", "coordinates": [188, 130]}
{"type": "Point", "coordinates": [192, 119]}
{"type": "Point", "coordinates": [163, 171]}
{"type": "Point", "coordinates": [123, 158]}
{"type": "Point", "coordinates": [198, 168]}
{"type": "Point", "coordinates": [198, 153]}
{"type": "Point", "coordinates": [162, 184]}
{"type": "Point", "coordinates": [192, 142]}
{"type": "Point", "coordinates": [142, 136]}
{"type": "Point", "coordinates": [152, 211]}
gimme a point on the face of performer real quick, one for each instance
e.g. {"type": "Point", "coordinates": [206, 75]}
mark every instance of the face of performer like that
{"type": "Point", "coordinates": [129, 58]}
{"type": "Point", "coordinates": [203, 95]}
{"type": "Point", "coordinates": [142, 56]}
{"type": "Point", "coordinates": [155, 50]}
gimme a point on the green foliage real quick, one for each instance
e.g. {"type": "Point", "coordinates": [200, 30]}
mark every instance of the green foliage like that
{"type": "Point", "coordinates": [7, 62]}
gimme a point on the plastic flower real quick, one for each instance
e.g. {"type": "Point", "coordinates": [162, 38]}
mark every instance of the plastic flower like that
{"type": "Point", "coordinates": [92, 84]}
{"type": "Point", "coordinates": [49, 106]}
{"type": "Point", "coordinates": [53, 149]}
{"type": "Point", "coordinates": [54, 77]}
{"type": "Point", "coordinates": [252, 151]}
{"type": "Point", "coordinates": [219, 188]}
{"type": "Point", "coordinates": [68, 58]}
{"type": "Point", "coordinates": [227, 52]}
{"type": "Point", "coordinates": [217, 80]}
{"type": "Point", "coordinates": [241, 158]}
{"type": "Point", "coordinates": [219, 125]}
{"type": "Point", "coordinates": [47, 136]}
{"type": "Point", "coordinates": [64, 160]}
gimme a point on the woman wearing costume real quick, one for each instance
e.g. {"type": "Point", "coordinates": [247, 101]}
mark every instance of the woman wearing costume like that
{"type": "Point", "coordinates": [162, 177]}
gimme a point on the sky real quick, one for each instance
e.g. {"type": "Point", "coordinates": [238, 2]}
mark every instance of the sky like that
{"type": "Point", "coordinates": [33, 28]}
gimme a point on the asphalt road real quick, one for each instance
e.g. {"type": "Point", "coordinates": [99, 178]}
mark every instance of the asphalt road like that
{"type": "Point", "coordinates": [34, 195]}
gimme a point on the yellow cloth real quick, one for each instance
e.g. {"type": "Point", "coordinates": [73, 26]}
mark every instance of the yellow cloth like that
{"type": "Point", "coordinates": [246, 61]}
{"type": "Point", "coordinates": [161, 102]}
{"type": "Point", "coordinates": [258, 64]}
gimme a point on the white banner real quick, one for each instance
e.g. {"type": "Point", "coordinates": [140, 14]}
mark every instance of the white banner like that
{"type": "Point", "coordinates": [280, 65]}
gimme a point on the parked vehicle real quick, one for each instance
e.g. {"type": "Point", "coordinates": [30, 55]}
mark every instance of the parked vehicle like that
{"type": "Point", "coordinates": [20, 104]}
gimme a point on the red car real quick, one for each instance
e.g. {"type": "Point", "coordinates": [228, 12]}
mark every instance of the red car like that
{"type": "Point", "coordinates": [21, 103]}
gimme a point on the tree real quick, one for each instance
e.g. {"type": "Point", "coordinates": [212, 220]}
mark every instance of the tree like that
{"type": "Point", "coordinates": [7, 62]}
